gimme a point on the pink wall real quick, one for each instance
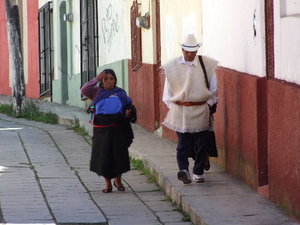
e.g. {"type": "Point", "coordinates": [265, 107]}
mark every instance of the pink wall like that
{"type": "Point", "coordinates": [258, 134]}
{"type": "Point", "coordinates": [257, 127]}
{"type": "Point", "coordinates": [238, 126]}
{"type": "Point", "coordinates": [242, 101]}
{"type": "Point", "coordinates": [4, 53]}
{"type": "Point", "coordinates": [32, 85]}
{"type": "Point", "coordinates": [284, 145]}
{"type": "Point", "coordinates": [142, 91]}
{"type": "Point", "coordinates": [146, 88]}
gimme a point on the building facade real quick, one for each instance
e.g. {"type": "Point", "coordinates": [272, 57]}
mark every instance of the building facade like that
{"type": "Point", "coordinates": [67, 42]}
{"type": "Point", "coordinates": [258, 116]}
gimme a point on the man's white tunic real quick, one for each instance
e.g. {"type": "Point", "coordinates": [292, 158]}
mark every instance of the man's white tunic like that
{"type": "Point", "coordinates": [185, 82]}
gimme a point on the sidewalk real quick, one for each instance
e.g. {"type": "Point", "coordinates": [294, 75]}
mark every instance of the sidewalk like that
{"type": "Point", "coordinates": [221, 200]}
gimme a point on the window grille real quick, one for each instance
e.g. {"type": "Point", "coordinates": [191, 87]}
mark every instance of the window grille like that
{"type": "Point", "coordinates": [45, 49]}
{"type": "Point", "coordinates": [88, 39]}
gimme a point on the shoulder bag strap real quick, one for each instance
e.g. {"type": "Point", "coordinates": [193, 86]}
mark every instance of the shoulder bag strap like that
{"type": "Point", "coordinates": [204, 70]}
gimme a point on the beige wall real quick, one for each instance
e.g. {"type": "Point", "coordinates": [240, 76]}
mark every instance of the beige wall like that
{"type": "Point", "coordinates": [56, 40]}
{"type": "Point", "coordinates": [148, 35]}
{"type": "Point", "coordinates": [177, 20]}
{"type": "Point", "coordinates": [42, 2]}
{"type": "Point", "coordinates": [287, 34]}
{"type": "Point", "coordinates": [228, 34]}
{"type": "Point", "coordinates": [74, 30]}
{"type": "Point", "coordinates": [114, 30]}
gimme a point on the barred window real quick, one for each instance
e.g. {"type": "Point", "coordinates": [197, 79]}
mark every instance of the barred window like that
{"type": "Point", "coordinates": [45, 49]}
{"type": "Point", "coordinates": [88, 39]}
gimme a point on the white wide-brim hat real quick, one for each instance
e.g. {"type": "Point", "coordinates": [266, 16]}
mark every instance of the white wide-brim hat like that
{"type": "Point", "coordinates": [190, 43]}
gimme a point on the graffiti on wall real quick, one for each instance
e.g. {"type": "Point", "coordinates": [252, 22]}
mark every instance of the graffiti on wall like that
{"type": "Point", "coordinates": [109, 26]}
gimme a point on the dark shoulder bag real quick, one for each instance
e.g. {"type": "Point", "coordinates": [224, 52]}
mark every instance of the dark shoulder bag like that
{"type": "Point", "coordinates": [212, 151]}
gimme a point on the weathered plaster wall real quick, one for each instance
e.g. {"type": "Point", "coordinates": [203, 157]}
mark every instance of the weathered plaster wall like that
{"type": "Point", "coordinates": [238, 126]}
{"type": "Point", "coordinates": [284, 145]}
{"type": "Point", "coordinates": [258, 129]}
{"type": "Point", "coordinates": [114, 30]}
{"type": "Point", "coordinates": [141, 86]}
{"type": "Point", "coordinates": [176, 23]}
{"type": "Point", "coordinates": [286, 40]}
{"type": "Point", "coordinates": [234, 34]}
{"type": "Point", "coordinates": [32, 72]}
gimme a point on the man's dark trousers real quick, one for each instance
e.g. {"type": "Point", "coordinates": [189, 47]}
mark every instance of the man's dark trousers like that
{"type": "Point", "coordinates": [192, 145]}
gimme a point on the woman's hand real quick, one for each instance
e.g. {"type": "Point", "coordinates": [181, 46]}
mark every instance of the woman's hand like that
{"type": "Point", "coordinates": [101, 75]}
{"type": "Point", "coordinates": [127, 113]}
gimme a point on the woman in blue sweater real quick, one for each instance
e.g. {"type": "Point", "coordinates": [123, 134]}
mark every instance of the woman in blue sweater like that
{"type": "Point", "coordinates": [112, 133]}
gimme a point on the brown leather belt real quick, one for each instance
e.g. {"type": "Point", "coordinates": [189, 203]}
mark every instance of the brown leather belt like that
{"type": "Point", "coordinates": [189, 103]}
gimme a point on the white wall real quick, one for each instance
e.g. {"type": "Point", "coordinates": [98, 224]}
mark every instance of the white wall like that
{"type": "Point", "coordinates": [289, 7]}
{"type": "Point", "coordinates": [228, 34]}
{"type": "Point", "coordinates": [42, 3]}
{"type": "Point", "coordinates": [287, 44]}
{"type": "Point", "coordinates": [178, 18]}
{"type": "Point", "coordinates": [56, 42]}
{"type": "Point", "coordinates": [148, 35]}
{"type": "Point", "coordinates": [74, 27]}
{"type": "Point", "coordinates": [114, 30]}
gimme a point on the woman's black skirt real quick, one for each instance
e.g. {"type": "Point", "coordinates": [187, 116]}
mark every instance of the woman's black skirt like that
{"type": "Point", "coordinates": [110, 156]}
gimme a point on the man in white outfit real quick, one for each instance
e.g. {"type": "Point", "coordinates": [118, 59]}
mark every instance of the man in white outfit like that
{"type": "Point", "coordinates": [189, 100]}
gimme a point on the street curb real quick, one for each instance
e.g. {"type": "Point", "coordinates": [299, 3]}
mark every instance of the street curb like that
{"type": "Point", "coordinates": [169, 190]}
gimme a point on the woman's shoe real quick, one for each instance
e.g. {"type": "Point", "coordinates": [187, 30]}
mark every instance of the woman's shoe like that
{"type": "Point", "coordinates": [107, 190]}
{"type": "Point", "coordinates": [120, 187]}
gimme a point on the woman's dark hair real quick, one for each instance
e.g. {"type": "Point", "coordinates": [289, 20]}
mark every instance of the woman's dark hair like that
{"type": "Point", "coordinates": [108, 71]}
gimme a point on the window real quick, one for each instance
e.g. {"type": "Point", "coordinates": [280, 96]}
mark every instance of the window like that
{"type": "Point", "coordinates": [45, 49]}
{"type": "Point", "coordinates": [136, 41]}
{"type": "Point", "coordinates": [88, 39]}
